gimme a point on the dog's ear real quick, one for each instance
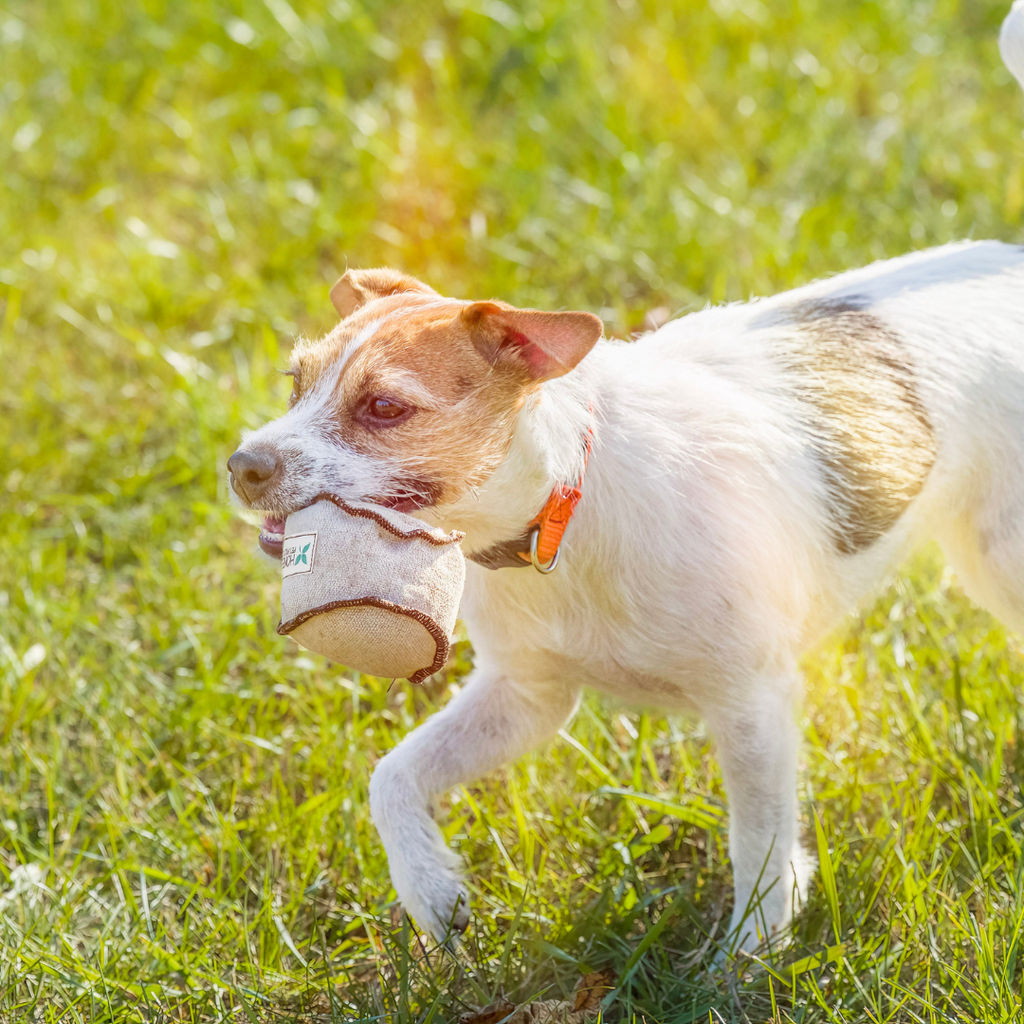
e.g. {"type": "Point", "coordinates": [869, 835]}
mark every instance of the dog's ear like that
{"type": "Point", "coordinates": [357, 287]}
{"type": "Point", "coordinates": [544, 345]}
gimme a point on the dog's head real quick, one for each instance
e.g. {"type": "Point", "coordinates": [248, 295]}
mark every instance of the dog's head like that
{"type": "Point", "coordinates": [411, 401]}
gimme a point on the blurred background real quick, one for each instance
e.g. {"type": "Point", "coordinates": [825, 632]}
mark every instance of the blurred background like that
{"type": "Point", "coordinates": [183, 793]}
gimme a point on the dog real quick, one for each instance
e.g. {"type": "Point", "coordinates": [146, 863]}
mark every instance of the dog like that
{"type": "Point", "coordinates": [716, 496]}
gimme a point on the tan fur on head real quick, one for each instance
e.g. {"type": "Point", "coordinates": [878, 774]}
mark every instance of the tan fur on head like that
{"type": "Point", "coordinates": [424, 389]}
{"type": "Point", "coordinates": [357, 287]}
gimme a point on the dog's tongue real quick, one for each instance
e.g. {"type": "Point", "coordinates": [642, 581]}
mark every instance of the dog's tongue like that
{"type": "Point", "coordinates": [272, 535]}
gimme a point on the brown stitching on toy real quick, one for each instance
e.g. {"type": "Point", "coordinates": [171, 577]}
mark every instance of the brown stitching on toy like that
{"type": "Point", "coordinates": [455, 537]}
{"type": "Point", "coordinates": [431, 626]}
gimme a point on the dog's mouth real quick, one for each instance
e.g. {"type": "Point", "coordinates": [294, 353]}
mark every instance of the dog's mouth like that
{"type": "Point", "coordinates": [272, 535]}
{"type": "Point", "coordinates": [411, 495]}
{"type": "Point", "coordinates": [403, 502]}
{"type": "Point", "coordinates": [409, 499]}
{"type": "Point", "coordinates": [272, 527]}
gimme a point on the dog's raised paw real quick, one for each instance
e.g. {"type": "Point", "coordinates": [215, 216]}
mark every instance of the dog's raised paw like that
{"type": "Point", "coordinates": [439, 904]}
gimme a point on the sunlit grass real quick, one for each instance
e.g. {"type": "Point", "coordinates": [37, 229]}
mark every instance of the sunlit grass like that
{"type": "Point", "coordinates": [185, 833]}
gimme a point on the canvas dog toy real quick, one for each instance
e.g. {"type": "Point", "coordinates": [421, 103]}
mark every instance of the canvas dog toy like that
{"type": "Point", "coordinates": [370, 588]}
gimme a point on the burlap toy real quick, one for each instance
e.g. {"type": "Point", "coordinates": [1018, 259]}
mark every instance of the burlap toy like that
{"type": "Point", "coordinates": [371, 588]}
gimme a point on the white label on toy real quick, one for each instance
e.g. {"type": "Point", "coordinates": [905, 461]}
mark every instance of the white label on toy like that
{"type": "Point", "coordinates": [297, 554]}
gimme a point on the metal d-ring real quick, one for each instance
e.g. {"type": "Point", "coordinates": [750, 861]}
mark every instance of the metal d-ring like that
{"type": "Point", "coordinates": [551, 566]}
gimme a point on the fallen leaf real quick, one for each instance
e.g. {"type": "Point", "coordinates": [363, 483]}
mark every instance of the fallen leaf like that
{"type": "Point", "coordinates": [591, 989]}
{"type": "Point", "coordinates": [547, 1011]}
{"type": "Point", "coordinates": [583, 1007]}
{"type": "Point", "coordinates": [489, 1014]}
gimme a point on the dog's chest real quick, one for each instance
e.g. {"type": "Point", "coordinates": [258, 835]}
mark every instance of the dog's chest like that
{"type": "Point", "coordinates": [546, 629]}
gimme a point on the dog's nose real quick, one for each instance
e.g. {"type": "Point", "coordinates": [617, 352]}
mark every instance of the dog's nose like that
{"type": "Point", "coordinates": [252, 472]}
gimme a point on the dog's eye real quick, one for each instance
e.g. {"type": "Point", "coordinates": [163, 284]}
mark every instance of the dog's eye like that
{"type": "Point", "coordinates": [296, 386]}
{"type": "Point", "coordinates": [385, 410]}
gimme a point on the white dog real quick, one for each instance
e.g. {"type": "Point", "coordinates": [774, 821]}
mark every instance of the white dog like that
{"type": "Point", "coordinates": [751, 473]}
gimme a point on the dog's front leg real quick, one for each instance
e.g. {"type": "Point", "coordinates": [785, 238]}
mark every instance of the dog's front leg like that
{"type": "Point", "coordinates": [492, 721]}
{"type": "Point", "coordinates": [757, 744]}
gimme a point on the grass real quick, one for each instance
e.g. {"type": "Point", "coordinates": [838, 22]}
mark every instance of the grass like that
{"type": "Point", "coordinates": [184, 832]}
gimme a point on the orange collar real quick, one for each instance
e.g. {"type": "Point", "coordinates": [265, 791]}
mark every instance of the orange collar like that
{"type": "Point", "coordinates": [540, 545]}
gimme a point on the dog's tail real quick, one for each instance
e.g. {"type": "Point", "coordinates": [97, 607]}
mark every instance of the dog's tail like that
{"type": "Point", "coordinates": [1011, 41]}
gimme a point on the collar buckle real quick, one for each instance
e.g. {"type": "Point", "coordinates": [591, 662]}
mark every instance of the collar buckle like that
{"type": "Point", "coordinates": [552, 563]}
{"type": "Point", "coordinates": [545, 530]}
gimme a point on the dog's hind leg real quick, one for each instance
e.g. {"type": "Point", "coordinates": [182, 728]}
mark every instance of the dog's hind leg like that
{"type": "Point", "coordinates": [758, 740]}
{"type": "Point", "coordinates": [985, 546]}
{"type": "Point", "coordinates": [492, 721]}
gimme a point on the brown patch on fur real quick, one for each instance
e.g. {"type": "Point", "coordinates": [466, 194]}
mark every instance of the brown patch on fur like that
{"type": "Point", "coordinates": [873, 436]}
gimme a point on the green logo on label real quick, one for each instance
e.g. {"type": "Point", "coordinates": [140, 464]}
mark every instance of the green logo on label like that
{"type": "Point", "coordinates": [298, 554]}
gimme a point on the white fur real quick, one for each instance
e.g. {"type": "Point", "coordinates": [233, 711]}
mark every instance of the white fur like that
{"type": "Point", "coordinates": [700, 562]}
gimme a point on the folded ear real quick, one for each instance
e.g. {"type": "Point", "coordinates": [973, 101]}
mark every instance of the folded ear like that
{"type": "Point", "coordinates": [544, 345]}
{"type": "Point", "coordinates": [357, 287]}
